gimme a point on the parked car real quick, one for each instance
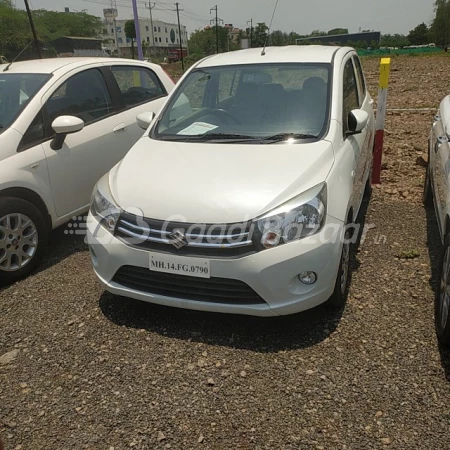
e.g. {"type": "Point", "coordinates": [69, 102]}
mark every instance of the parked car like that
{"type": "Point", "coordinates": [240, 204]}
{"type": "Point", "coordinates": [437, 191]}
{"type": "Point", "coordinates": [63, 124]}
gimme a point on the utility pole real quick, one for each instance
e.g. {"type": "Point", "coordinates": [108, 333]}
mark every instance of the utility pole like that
{"type": "Point", "coordinates": [114, 8]}
{"type": "Point", "coordinates": [138, 30]}
{"type": "Point", "coordinates": [251, 31]}
{"type": "Point", "coordinates": [33, 30]}
{"type": "Point", "coordinates": [150, 7]}
{"type": "Point", "coordinates": [181, 37]}
{"type": "Point", "coordinates": [216, 20]}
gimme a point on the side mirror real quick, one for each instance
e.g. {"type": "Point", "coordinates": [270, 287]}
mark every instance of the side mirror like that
{"type": "Point", "coordinates": [145, 119]}
{"type": "Point", "coordinates": [62, 126]}
{"type": "Point", "coordinates": [357, 121]}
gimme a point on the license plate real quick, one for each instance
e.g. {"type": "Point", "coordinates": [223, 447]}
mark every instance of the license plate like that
{"type": "Point", "coordinates": [181, 265]}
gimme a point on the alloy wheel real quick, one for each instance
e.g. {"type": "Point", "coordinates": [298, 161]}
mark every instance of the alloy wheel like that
{"type": "Point", "coordinates": [18, 241]}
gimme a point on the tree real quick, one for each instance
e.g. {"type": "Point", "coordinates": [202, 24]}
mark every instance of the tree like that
{"type": "Point", "coordinates": [203, 42]}
{"type": "Point", "coordinates": [420, 35]}
{"type": "Point", "coordinates": [441, 23]}
{"type": "Point", "coordinates": [259, 34]}
{"type": "Point", "coordinates": [394, 40]}
{"type": "Point", "coordinates": [338, 31]}
{"type": "Point", "coordinates": [130, 33]}
{"type": "Point", "coordinates": [15, 31]}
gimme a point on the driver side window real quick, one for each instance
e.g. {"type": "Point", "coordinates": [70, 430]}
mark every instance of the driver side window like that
{"type": "Point", "coordinates": [350, 91]}
{"type": "Point", "coordinates": [137, 85]}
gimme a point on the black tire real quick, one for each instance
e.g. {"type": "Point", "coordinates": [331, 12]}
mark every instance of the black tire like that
{"type": "Point", "coordinates": [442, 312]}
{"type": "Point", "coordinates": [368, 187]}
{"type": "Point", "coordinates": [340, 293]}
{"type": "Point", "coordinates": [11, 206]}
{"type": "Point", "coordinates": [427, 196]}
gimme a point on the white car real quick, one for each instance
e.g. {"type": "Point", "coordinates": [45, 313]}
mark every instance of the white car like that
{"type": "Point", "coordinates": [64, 123]}
{"type": "Point", "coordinates": [240, 204]}
{"type": "Point", "coordinates": [437, 188]}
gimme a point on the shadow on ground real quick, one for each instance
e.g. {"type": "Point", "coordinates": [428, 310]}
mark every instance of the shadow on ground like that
{"type": "Point", "coordinates": [435, 251]}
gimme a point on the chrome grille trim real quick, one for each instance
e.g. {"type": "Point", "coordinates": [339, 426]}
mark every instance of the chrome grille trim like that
{"type": "Point", "coordinates": [194, 240]}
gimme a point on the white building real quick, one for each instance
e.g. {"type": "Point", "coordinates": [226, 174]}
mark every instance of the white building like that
{"type": "Point", "coordinates": [166, 36]}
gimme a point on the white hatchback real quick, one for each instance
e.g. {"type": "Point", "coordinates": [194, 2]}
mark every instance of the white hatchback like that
{"type": "Point", "coordinates": [241, 195]}
{"type": "Point", "coordinates": [64, 123]}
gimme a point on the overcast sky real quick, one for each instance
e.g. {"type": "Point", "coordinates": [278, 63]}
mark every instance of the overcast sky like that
{"type": "Point", "coordinates": [302, 16]}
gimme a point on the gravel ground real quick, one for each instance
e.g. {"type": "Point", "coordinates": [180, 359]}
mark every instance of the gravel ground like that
{"type": "Point", "coordinates": [92, 371]}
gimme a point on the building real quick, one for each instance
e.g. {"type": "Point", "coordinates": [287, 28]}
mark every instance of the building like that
{"type": "Point", "coordinates": [78, 46]}
{"type": "Point", "coordinates": [162, 38]}
{"type": "Point", "coordinates": [367, 38]}
{"type": "Point", "coordinates": [233, 32]}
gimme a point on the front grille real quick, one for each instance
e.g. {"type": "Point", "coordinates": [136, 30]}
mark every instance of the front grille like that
{"type": "Point", "coordinates": [210, 240]}
{"type": "Point", "coordinates": [211, 290]}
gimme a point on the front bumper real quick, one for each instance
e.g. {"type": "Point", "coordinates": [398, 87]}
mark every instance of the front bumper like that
{"type": "Point", "coordinates": [272, 274]}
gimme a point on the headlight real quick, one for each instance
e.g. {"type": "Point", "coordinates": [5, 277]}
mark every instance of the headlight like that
{"type": "Point", "coordinates": [103, 207]}
{"type": "Point", "coordinates": [296, 219]}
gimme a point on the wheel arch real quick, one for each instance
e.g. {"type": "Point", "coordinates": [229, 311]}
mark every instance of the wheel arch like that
{"type": "Point", "coordinates": [31, 197]}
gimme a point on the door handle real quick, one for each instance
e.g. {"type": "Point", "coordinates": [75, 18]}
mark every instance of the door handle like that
{"type": "Point", "coordinates": [442, 139]}
{"type": "Point", "coordinates": [120, 127]}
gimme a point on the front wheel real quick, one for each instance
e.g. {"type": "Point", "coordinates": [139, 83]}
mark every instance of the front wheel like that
{"type": "Point", "coordinates": [340, 293]}
{"type": "Point", "coordinates": [23, 238]}
{"type": "Point", "coordinates": [427, 197]}
{"type": "Point", "coordinates": [442, 299]}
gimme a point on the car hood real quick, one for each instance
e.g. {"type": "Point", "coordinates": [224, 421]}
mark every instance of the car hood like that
{"type": "Point", "coordinates": [216, 183]}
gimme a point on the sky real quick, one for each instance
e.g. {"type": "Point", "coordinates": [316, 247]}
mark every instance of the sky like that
{"type": "Point", "coordinates": [301, 16]}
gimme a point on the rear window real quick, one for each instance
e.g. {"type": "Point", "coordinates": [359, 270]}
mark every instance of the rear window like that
{"type": "Point", "coordinates": [16, 91]}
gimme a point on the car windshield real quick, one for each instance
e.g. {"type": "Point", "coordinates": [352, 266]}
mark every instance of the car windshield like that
{"type": "Point", "coordinates": [248, 103]}
{"type": "Point", "coordinates": [16, 90]}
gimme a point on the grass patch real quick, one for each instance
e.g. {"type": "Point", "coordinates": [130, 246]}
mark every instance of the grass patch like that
{"type": "Point", "coordinates": [408, 254]}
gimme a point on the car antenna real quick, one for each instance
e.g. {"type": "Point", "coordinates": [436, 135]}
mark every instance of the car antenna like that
{"type": "Point", "coordinates": [15, 59]}
{"type": "Point", "coordinates": [268, 31]}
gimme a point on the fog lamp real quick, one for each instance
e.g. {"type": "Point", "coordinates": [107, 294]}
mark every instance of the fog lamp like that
{"type": "Point", "coordinates": [307, 277]}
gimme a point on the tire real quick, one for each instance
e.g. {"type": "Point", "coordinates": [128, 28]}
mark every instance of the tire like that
{"type": "Point", "coordinates": [442, 299]}
{"type": "Point", "coordinates": [368, 187]}
{"type": "Point", "coordinates": [427, 196]}
{"type": "Point", "coordinates": [341, 287]}
{"type": "Point", "coordinates": [23, 239]}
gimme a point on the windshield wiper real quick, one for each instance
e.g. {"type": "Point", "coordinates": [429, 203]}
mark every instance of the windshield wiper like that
{"type": "Point", "coordinates": [285, 136]}
{"type": "Point", "coordinates": [224, 136]}
{"type": "Point", "coordinates": [209, 137]}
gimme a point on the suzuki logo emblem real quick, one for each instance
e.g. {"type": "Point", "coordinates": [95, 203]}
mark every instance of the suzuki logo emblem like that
{"type": "Point", "coordinates": [178, 239]}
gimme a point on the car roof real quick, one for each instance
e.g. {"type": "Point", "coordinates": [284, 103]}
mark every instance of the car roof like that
{"type": "Point", "coordinates": [288, 54]}
{"type": "Point", "coordinates": [51, 65]}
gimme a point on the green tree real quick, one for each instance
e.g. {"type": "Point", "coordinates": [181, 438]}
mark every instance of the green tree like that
{"type": "Point", "coordinates": [394, 40]}
{"type": "Point", "coordinates": [259, 35]}
{"type": "Point", "coordinates": [15, 30]}
{"type": "Point", "coordinates": [420, 35]}
{"type": "Point", "coordinates": [440, 26]}
{"type": "Point", "coordinates": [130, 33]}
{"type": "Point", "coordinates": [203, 42]}
{"type": "Point", "coordinates": [337, 31]}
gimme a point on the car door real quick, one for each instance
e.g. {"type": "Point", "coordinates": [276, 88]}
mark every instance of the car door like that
{"type": "Point", "coordinates": [366, 104]}
{"type": "Point", "coordinates": [440, 167]}
{"type": "Point", "coordinates": [354, 143]}
{"type": "Point", "coordinates": [88, 154]}
{"type": "Point", "coordinates": [141, 90]}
